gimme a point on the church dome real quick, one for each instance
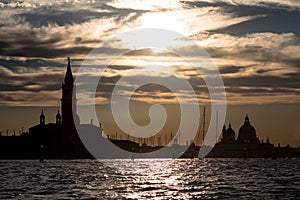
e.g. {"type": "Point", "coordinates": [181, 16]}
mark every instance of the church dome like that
{"type": "Point", "coordinates": [247, 133]}
{"type": "Point", "coordinates": [228, 135]}
{"type": "Point", "coordinates": [231, 134]}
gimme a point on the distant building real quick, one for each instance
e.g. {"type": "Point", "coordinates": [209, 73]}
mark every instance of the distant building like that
{"type": "Point", "coordinates": [228, 136]}
{"type": "Point", "coordinates": [44, 128]}
{"type": "Point", "coordinates": [247, 133]}
{"type": "Point", "coordinates": [60, 140]}
{"type": "Point", "coordinates": [64, 130]}
{"type": "Point", "coordinates": [247, 144]}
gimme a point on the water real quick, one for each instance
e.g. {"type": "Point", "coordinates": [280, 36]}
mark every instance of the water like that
{"type": "Point", "coordinates": [139, 179]}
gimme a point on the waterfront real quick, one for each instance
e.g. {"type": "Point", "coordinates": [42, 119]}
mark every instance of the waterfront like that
{"type": "Point", "coordinates": [145, 179]}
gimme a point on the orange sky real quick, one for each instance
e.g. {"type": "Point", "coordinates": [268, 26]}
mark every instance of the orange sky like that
{"type": "Point", "coordinates": [253, 44]}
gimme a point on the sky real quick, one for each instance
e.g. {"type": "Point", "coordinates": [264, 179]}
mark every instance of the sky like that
{"type": "Point", "coordinates": [254, 44]}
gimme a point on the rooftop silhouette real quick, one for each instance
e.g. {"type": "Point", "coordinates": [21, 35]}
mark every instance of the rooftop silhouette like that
{"type": "Point", "coordinates": [60, 140]}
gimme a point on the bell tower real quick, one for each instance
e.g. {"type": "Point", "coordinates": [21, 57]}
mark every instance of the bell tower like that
{"type": "Point", "coordinates": [42, 118]}
{"type": "Point", "coordinates": [67, 115]}
{"type": "Point", "coordinates": [58, 118]}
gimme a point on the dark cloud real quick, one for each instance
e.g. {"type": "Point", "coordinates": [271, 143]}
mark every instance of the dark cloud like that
{"type": "Point", "coordinates": [11, 81]}
{"type": "Point", "coordinates": [30, 46]}
{"type": "Point", "coordinates": [64, 13]}
{"type": "Point", "coordinates": [274, 18]}
{"type": "Point", "coordinates": [151, 52]}
{"type": "Point", "coordinates": [120, 67]}
{"type": "Point", "coordinates": [47, 15]}
{"type": "Point", "coordinates": [276, 21]}
{"type": "Point", "coordinates": [12, 64]}
{"type": "Point", "coordinates": [26, 98]}
{"type": "Point", "coordinates": [258, 83]}
{"type": "Point", "coordinates": [256, 91]}
{"type": "Point", "coordinates": [4, 97]}
{"type": "Point", "coordinates": [35, 38]}
{"type": "Point", "coordinates": [14, 80]}
{"type": "Point", "coordinates": [259, 54]}
{"type": "Point", "coordinates": [38, 44]}
{"type": "Point", "coordinates": [291, 80]}
{"type": "Point", "coordinates": [295, 62]}
{"type": "Point", "coordinates": [26, 86]}
{"type": "Point", "coordinates": [230, 69]}
{"type": "Point", "coordinates": [153, 88]}
{"type": "Point", "coordinates": [153, 96]}
{"type": "Point", "coordinates": [241, 8]}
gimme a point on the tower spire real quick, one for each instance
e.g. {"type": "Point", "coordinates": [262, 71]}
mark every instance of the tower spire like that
{"type": "Point", "coordinates": [42, 118]}
{"type": "Point", "coordinates": [68, 115]}
{"type": "Point", "coordinates": [247, 121]}
{"type": "Point", "coordinates": [58, 118]}
{"type": "Point", "coordinates": [69, 76]}
{"type": "Point", "coordinates": [203, 128]}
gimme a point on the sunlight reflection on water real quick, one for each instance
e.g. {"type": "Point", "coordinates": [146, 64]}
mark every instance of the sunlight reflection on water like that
{"type": "Point", "coordinates": [146, 179]}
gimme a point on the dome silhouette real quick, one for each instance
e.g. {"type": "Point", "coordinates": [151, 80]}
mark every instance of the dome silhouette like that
{"type": "Point", "coordinates": [231, 134]}
{"type": "Point", "coordinates": [247, 133]}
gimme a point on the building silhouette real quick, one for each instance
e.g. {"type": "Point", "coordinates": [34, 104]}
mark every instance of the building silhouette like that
{"type": "Point", "coordinates": [67, 100]}
{"type": "Point", "coordinates": [50, 140]}
{"type": "Point", "coordinates": [60, 140]}
{"type": "Point", "coordinates": [228, 136]}
{"type": "Point", "coordinates": [247, 144]}
{"type": "Point", "coordinates": [247, 133]}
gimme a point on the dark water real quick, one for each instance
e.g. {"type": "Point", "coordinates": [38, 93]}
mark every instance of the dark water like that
{"type": "Point", "coordinates": [151, 179]}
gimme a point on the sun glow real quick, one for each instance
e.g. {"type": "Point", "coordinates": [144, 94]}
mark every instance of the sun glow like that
{"type": "Point", "coordinates": [163, 20]}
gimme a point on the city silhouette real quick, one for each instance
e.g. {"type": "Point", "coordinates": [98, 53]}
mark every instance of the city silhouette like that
{"type": "Point", "coordinates": [60, 140]}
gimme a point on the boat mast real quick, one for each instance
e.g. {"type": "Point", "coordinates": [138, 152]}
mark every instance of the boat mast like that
{"type": "Point", "coordinates": [217, 126]}
{"type": "Point", "coordinates": [203, 125]}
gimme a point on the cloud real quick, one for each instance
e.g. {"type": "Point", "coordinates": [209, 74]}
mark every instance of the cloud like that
{"type": "Point", "coordinates": [266, 24]}
{"type": "Point", "coordinates": [60, 30]}
{"type": "Point", "coordinates": [230, 69]}
{"type": "Point", "coordinates": [64, 13]}
{"type": "Point", "coordinates": [29, 98]}
{"type": "Point", "coordinates": [256, 49]}
{"type": "Point", "coordinates": [45, 79]}
{"type": "Point", "coordinates": [28, 64]}
{"type": "Point", "coordinates": [290, 81]}
{"type": "Point", "coordinates": [253, 53]}
{"type": "Point", "coordinates": [229, 5]}
{"type": "Point", "coordinates": [280, 12]}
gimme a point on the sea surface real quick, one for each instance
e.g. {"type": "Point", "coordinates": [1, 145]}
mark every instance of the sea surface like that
{"type": "Point", "coordinates": [151, 179]}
